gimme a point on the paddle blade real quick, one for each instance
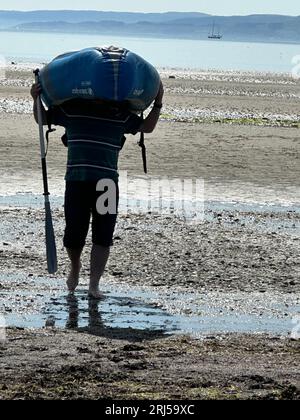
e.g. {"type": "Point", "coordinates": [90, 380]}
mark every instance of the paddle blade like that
{"type": "Point", "coordinates": [50, 241]}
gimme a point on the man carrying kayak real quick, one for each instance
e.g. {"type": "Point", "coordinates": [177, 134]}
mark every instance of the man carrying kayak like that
{"type": "Point", "coordinates": [94, 135]}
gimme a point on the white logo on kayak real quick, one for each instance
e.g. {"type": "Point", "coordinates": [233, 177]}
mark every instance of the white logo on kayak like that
{"type": "Point", "coordinates": [138, 92]}
{"type": "Point", "coordinates": [87, 92]}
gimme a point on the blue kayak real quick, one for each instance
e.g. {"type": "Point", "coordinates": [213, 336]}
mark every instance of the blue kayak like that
{"type": "Point", "coordinates": [112, 74]}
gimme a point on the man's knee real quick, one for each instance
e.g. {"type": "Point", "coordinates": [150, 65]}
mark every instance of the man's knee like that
{"type": "Point", "coordinates": [74, 240]}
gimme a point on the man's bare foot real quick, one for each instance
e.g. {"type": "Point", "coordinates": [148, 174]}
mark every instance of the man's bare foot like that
{"type": "Point", "coordinates": [95, 294]}
{"type": "Point", "coordinates": [73, 279]}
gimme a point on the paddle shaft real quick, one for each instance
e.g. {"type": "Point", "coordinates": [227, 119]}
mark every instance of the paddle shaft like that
{"type": "Point", "coordinates": [50, 237]}
{"type": "Point", "coordinates": [42, 140]}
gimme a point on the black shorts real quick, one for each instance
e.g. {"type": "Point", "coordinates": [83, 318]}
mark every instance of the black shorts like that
{"type": "Point", "coordinates": [80, 205]}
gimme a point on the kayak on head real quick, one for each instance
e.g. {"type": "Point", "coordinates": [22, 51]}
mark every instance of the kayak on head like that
{"type": "Point", "coordinates": [107, 73]}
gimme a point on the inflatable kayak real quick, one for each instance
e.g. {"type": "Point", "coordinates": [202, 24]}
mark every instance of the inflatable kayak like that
{"type": "Point", "coordinates": [111, 73]}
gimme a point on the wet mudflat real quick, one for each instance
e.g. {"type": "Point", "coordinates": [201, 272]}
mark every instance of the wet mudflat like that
{"type": "Point", "coordinates": [175, 322]}
{"type": "Point", "coordinates": [190, 310]}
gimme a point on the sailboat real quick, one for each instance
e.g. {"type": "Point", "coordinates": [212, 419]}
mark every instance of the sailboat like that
{"type": "Point", "coordinates": [213, 34]}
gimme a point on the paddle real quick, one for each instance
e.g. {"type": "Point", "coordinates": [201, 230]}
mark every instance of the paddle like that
{"type": "Point", "coordinates": [50, 237]}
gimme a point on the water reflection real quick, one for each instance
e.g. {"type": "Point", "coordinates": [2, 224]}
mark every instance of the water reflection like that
{"type": "Point", "coordinates": [94, 315]}
{"type": "Point", "coordinates": [73, 305]}
{"type": "Point", "coordinates": [92, 318]}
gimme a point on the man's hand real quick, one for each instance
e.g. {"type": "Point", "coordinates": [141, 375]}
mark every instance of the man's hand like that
{"type": "Point", "coordinates": [151, 121]}
{"type": "Point", "coordinates": [35, 91]}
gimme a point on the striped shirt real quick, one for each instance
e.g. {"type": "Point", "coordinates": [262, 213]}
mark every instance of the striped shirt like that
{"type": "Point", "coordinates": [95, 137]}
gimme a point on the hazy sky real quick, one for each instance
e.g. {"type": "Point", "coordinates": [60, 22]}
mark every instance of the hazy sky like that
{"type": "Point", "coordinates": [221, 7]}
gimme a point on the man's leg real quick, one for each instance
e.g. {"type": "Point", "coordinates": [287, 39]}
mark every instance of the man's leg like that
{"type": "Point", "coordinates": [77, 215]}
{"type": "Point", "coordinates": [103, 227]}
{"type": "Point", "coordinates": [99, 258]}
{"type": "Point", "coordinates": [73, 278]}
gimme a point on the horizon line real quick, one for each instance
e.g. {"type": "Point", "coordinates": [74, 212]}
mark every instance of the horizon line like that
{"type": "Point", "coordinates": [145, 13]}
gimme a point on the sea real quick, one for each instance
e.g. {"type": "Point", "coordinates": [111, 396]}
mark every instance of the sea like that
{"type": "Point", "coordinates": [34, 47]}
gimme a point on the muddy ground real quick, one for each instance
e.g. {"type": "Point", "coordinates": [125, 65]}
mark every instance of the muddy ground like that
{"type": "Point", "coordinates": [128, 364]}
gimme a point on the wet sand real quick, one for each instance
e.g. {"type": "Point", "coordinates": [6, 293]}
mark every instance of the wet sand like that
{"type": "Point", "coordinates": [240, 133]}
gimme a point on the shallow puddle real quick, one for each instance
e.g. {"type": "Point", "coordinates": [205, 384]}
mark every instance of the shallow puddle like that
{"type": "Point", "coordinates": [35, 302]}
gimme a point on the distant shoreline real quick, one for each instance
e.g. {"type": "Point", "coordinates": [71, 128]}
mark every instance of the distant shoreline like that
{"type": "Point", "coordinates": [150, 35]}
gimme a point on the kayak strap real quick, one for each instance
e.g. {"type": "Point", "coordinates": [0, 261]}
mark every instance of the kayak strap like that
{"type": "Point", "coordinates": [144, 150]}
{"type": "Point", "coordinates": [49, 131]}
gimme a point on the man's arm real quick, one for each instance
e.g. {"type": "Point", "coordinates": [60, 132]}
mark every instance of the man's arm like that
{"type": "Point", "coordinates": [151, 121]}
{"type": "Point", "coordinates": [35, 92]}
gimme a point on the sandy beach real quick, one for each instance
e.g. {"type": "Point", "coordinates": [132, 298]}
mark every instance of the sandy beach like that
{"type": "Point", "coordinates": [240, 133]}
